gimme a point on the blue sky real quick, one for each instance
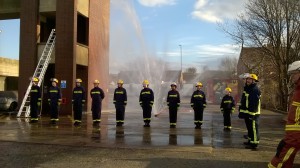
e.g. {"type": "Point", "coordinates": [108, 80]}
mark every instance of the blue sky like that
{"type": "Point", "coordinates": [158, 27]}
{"type": "Point", "coordinates": [166, 24]}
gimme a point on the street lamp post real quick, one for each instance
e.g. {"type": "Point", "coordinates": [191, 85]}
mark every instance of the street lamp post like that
{"type": "Point", "coordinates": [180, 57]}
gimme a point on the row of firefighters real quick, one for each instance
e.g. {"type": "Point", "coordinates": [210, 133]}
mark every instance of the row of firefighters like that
{"type": "Point", "coordinates": [146, 100]}
{"type": "Point", "coordinates": [249, 109]}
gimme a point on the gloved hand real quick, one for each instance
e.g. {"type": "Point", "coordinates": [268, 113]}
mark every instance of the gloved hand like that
{"type": "Point", "coordinates": [59, 103]}
{"type": "Point", "coordinates": [39, 104]}
{"type": "Point", "coordinates": [83, 102]}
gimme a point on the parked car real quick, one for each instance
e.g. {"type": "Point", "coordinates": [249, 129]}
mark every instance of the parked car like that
{"type": "Point", "coordinates": [8, 100]}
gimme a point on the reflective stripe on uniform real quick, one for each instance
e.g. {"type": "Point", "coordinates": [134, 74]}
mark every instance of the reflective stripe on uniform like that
{"type": "Point", "coordinates": [247, 101]}
{"type": "Point", "coordinates": [249, 112]}
{"type": "Point", "coordinates": [146, 119]}
{"type": "Point", "coordinates": [121, 92]}
{"type": "Point", "coordinates": [286, 157]}
{"type": "Point", "coordinates": [148, 92]}
{"type": "Point", "coordinates": [292, 127]}
{"type": "Point", "coordinates": [297, 116]}
{"type": "Point", "coordinates": [255, 140]}
{"type": "Point", "coordinates": [228, 101]}
{"type": "Point", "coordinates": [296, 103]}
{"type": "Point", "coordinates": [97, 92]}
{"type": "Point", "coordinates": [198, 96]}
{"type": "Point", "coordinates": [77, 92]}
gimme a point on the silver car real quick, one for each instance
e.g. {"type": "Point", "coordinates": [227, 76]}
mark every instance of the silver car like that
{"type": "Point", "coordinates": [8, 100]}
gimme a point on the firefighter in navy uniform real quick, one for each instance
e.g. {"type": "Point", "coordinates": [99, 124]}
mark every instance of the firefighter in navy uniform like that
{"type": "Point", "coordinates": [35, 100]}
{"type": "Point", "coordinates": [97, 96]}
{"type": "Point", "coordinates": [290, 144]}
{"type": "Point", "coordinates": [249, 110]}
{"type": "Point", "coordinates": [227, 108]}
{"type": "Point", "coordinates": [120, 101]}
{"type": "Point", "coordinates": [198, 103]}
{"type": "Point", "coordinates": [173, 101]}
{"type": "Point", "coordinates": [78, 101]}
{"type": "Point", "coordinates": [54, 100]}
{"type": "Point", "coordinates": [146, 101]}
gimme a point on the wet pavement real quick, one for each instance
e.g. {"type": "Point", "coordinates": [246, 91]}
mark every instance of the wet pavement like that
{"type": "Point", "coordinates": [34, 145]}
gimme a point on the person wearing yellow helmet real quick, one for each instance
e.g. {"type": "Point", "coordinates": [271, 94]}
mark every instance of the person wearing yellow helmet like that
{"type": "Point", "coordinates": [249, 110]}
{"type": "Point", "coordinates": [54, 100]}
{"type": "Point", "coordinates": [227, 108]}
{"type": "Point", "coordinates": [290, 144]}
{"type": "Point", "coordinates": [78, 100]}
{"type": "Point", "coordinates": [35, 100]}
{"type": "Point", "coordinates": [173, 101]}
{"type": "Point", "coordinates": [97, 95]}
{"type": "Point", "coordinates": [198, 103]}
{"type": "Point", "coordinates": [146, 101]}
{"type": "Point", "coordinates": [120, 101]}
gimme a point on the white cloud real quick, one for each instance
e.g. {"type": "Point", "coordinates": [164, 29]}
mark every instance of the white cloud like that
{"type": "Point", "coordinates": [205, 51]}
{"type": "Point", "coordinates": [217, 10]}
{"type": "Point", "coordinates": [154, 3]}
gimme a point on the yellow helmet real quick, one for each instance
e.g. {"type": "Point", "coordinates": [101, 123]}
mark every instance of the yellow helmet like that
{"type": "Point", "coordinates": [35, 79]}
{"type": "Point", "coordinates": [78, 80]}
{"type": "Point", "coordinates": [54, 80]}
{"type": "Point", "coordinates": [228, 90]}
{"type": "Point", "coordinates": [253, 76]}
{"type": "Point", "coordinates": [120, 81]}
{"type": "Point", "coordinates": [146, 82]}
{"type": "Point", "coordinates": [96, 81]}
{"type": "Point", "coordinates": [199, 84]}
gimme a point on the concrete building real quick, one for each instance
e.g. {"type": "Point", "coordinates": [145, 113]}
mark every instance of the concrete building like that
{"type": "Point", "coordinates": [9, 72]}
{"type": "Point", "coordinates": [82, 41]}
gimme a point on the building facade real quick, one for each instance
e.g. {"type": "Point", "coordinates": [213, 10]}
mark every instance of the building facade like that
{"type": "Point", "coordinates": [82, 41]}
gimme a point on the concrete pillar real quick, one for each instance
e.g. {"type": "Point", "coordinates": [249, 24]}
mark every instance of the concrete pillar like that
{"type": "Point", "coordinates": [28, 38]}
{"type": "Point", "coordinates": [2, 83]}
{"type": "Point", "coordinates": [65, 58]}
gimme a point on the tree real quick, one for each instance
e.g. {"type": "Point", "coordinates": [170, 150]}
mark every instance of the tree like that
{"type": "Point", "coordinates": [191, 70]}
{"type": "Point", "coordinates": [228, 64]}
{"type": "Point", "coordinates": [274, 26]}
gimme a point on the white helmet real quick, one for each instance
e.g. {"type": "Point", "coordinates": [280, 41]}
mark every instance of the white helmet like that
{"type": "Point", "coordinates": [173, 84]}
{"type": "Point", "coordinates": [295, 66]}
{"type": "Point", "coordinates": [244, 75]}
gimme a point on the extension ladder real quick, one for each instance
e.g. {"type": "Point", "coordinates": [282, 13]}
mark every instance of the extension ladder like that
{"type": "Point", "coordinates": [39, 73]}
